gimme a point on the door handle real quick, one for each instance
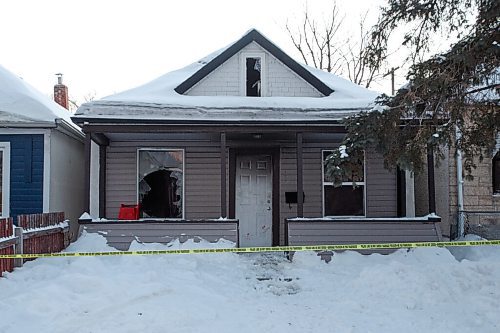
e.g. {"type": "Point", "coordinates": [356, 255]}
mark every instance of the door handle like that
{"type": "Point", "coordinates": [268, 208]}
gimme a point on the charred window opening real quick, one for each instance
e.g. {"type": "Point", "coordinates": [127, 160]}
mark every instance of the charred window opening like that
{"type": "Point", "coordinates": [253, 81]}
{"type": "Point", "coordinates": [160, 183]}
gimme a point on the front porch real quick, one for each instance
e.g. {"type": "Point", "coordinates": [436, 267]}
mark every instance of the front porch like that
{"type": "Point", "coordinates": [209, 186]}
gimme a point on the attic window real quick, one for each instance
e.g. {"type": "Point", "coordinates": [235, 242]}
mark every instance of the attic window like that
{"type": "Point", "coordinates": [253, 76]}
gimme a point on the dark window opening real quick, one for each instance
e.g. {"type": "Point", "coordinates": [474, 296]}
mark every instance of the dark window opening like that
{"type": "Point", "coordinates": [253, 79]}
{"type": "Point", "coordinates": [343, 201]}
{"type": "Point", "coordinates": [496, 173]}
{"type": "Point", "coordinates": [161, 199]}
{"type": "Point", "coordinates": [160, 184]}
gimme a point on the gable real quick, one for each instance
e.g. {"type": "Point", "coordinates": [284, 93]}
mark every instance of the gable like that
{"type": "Point", "coordinates": [278, 80]}
{"type": "Point", "coordinates": [270, 48]}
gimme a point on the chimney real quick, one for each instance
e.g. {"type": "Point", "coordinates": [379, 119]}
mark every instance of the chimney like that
{"type": "Point", "coordinates": [61, 92]}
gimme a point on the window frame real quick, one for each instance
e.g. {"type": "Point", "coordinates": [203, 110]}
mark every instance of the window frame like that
{"type": "Point", "coordinates": [349, 183]}
{"type": "Point", "coordinates": [183, 180]}
{"type": "Point", "coordinates": [243, 72]}
{"type": "Point", "coordinates": [5, 150]}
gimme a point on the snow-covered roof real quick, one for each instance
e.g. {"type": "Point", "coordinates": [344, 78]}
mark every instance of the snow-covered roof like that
{"type": "Point", "coordinates": [20, 104]}
{"type": "Point", "coordinates": [160, 100]}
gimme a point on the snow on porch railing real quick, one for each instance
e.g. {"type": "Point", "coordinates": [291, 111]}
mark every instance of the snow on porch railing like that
{"type": "Point", "coordinates": [36, 233]}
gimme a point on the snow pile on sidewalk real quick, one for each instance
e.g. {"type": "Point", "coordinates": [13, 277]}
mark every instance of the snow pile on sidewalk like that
{"type": "Point", "coordinates": [422, 290]}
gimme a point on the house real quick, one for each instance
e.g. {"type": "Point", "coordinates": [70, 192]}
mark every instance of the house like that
{"type": "Point", "coordinates": [466, 204]}
{"type": "Point", "coordinates": [476, 201]}
{"type": "Point", "coordinates": [41, 152]}
{"type": "Point", "coordinates": [236, 143]}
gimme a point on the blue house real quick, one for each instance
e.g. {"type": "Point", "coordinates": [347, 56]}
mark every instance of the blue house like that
{"type": "Point", "coordinates": [41, 151]}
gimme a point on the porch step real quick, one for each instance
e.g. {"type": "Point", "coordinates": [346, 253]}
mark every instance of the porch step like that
{"type": "Point", "coordinates": [270, 270]}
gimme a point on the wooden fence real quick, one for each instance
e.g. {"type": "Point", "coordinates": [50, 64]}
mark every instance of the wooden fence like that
{"type": "Point", "coordinates": [6, 238]}
{"type": "Point", "coordinates": [35, 233]}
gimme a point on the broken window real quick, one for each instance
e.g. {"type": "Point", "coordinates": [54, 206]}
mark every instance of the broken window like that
{"type": "Point", "coordinates": [253, 81]}
{"type": "Point", "coordinates": [161, 183]}
{"type": "Point", "coordinates": [344, 200]}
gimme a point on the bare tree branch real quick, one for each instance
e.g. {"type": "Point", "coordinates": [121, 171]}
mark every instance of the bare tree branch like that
{"type": "Point", "coordinates": [324, 48]}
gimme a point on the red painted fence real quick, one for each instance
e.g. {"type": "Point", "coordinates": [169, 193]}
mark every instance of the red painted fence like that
{"type": "Point", "coordinates": [37, 233]}
{"type": "Point", "coordinates": [40, 242]}
{"type": "Point", "coordinates": [6, 231]}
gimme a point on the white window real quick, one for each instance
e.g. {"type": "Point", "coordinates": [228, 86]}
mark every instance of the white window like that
{"type": "Point", "coordinates": [253, 74]}
{"type": "Point", "coordinates": [160, 185]}
{"type": "Point", "coordinates": [345, 200]}
{"type": "Point", "coordinates": [4, 179]}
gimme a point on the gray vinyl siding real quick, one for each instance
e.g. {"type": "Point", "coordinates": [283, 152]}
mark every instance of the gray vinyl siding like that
{"type": "Point", "coordinates": [201, 176]}
{"type": "Point", "coordinates": [361, 232]}
{"type": "Point", "coordinates": [312, 182]}
{"type": "Point", "coordinates": [358, 232]}
{"type": "Point", "coordinates": [120, 235]}
{"type": "Point", "coordinates": [381, 187]}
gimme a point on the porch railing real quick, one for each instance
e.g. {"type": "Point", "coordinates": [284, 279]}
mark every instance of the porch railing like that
{"type": "Point", "coordinates": [362, 231]}
{"type": "Point", "coordinates": [120, 234]}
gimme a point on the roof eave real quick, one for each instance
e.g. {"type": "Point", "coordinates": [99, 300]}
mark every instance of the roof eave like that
{"type": "Point", "coordinates": [66, 128]}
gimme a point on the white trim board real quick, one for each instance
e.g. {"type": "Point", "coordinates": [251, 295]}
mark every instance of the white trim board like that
{"type": "Point", "coordinates": [5, 149]}
{"type": "Point", "coordinates": [46, 172]}
{"type": "Point", "coordinates": [8, 131]}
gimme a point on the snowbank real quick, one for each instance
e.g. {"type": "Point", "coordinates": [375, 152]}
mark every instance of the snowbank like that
{"type": "Point", "coordinates": [422, 290]}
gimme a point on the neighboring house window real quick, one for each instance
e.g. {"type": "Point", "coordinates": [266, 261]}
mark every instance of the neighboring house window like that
{"type": "Point", "coordinates": [161, 183]}
{"type": "Point", "coordinates": [496, 173]}
{"type": "Point", "coordinates": [345, 200]}
{"type": "Point", "coordinates": [4, 178]}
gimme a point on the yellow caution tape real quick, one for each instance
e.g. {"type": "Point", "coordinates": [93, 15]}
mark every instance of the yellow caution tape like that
{"type": "Point", "coordinates": [334, 247]}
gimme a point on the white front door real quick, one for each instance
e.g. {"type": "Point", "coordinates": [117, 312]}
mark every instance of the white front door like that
{"type": "Point", "coordinates": [254, 190]}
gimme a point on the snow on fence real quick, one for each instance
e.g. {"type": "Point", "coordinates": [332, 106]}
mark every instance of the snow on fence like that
{"type": "Point", "coordinates": [35, 233]}
{"type": "Point", "coordinates": [42, 233]}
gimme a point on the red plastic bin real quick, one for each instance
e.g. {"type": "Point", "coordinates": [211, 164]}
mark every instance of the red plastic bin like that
{"type": "Point", "coordinates": [128, 212]}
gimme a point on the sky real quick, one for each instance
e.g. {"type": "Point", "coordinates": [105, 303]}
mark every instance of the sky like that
{"type": "Point", "coordinates": [106, 46]}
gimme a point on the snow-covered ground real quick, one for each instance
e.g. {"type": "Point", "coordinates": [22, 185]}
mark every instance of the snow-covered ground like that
{"type": "Point", "coordinates": [422, 290]}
